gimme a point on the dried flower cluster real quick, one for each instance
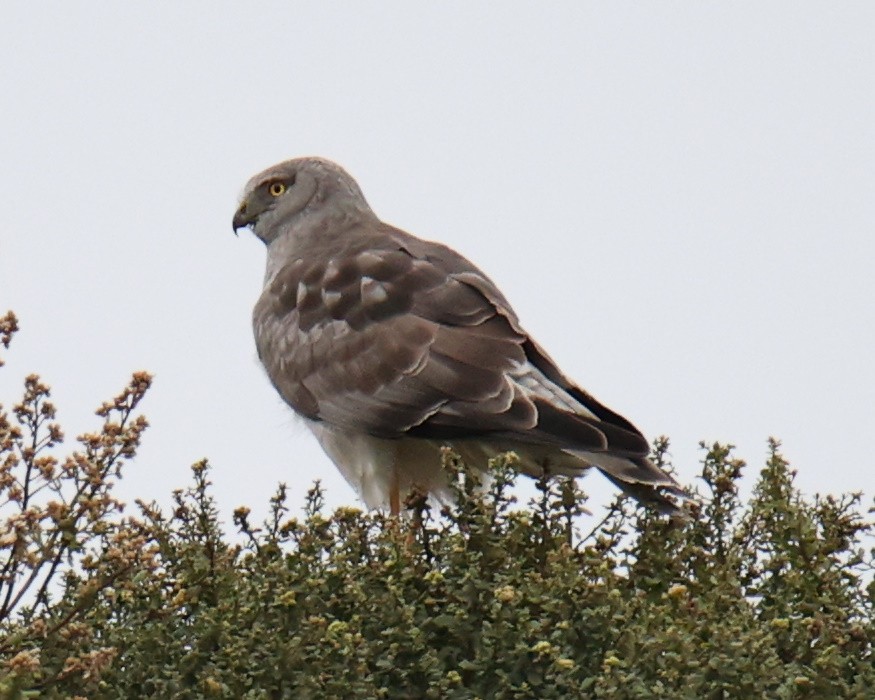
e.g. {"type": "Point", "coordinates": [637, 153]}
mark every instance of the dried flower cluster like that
{"type": "Point", "coordinates": [63, 540]}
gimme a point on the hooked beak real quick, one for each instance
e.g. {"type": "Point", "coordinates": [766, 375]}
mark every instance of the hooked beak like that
{"type": "Point", "coordinates": [242, 218]}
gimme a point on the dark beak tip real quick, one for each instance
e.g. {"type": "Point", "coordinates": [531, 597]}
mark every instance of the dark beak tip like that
{"type": "Point", "coordinates": [240, 219]}
{"type": "Point", "coordinates": [239, 222]}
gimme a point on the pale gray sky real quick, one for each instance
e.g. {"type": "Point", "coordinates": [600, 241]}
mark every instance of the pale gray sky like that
{"type": "Point", "coordinates": [678, 198]}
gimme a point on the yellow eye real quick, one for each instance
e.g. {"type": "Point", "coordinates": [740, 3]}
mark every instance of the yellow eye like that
{"type": "Point", "coordinates": [276, 189]}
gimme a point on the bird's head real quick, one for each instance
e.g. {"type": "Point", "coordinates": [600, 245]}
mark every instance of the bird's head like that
{"type": "Point", "coordinates": [293, 189]}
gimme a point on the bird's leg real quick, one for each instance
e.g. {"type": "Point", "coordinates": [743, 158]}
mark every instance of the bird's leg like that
{"type": "Point", "coordinates": [394, 494]}
{"type": "Point", "coordinates": [395, 508]}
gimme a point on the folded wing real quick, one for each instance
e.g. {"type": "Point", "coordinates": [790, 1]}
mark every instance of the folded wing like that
{"type": "Point", "coordinates": [402, 337]}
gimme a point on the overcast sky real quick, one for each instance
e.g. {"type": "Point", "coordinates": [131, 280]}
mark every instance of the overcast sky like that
{"type": "Point", "coordinates": [679, 200]}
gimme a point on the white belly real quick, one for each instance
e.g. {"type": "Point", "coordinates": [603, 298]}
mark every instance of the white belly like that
{"type": "Point", "coordinates": [370, 464]}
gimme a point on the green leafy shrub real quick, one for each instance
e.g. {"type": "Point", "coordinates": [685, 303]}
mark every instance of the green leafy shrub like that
{"type": "Point", "coordinates": [770, 598]}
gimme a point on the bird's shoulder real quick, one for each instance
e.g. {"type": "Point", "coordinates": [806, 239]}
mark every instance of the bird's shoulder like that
{"type": "Point", "coordinates": [369, 273]}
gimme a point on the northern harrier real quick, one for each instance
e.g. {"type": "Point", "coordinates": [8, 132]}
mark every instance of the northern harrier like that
{"type": "Point", "coordinates": [390, 347]}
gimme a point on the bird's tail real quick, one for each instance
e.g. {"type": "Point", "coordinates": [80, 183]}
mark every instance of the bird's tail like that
{"type": "Point", "coordinates": [647, 483]}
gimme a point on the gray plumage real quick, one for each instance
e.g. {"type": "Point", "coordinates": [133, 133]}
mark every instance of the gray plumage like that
{"type": "Point", "coordinates": [391, 347]}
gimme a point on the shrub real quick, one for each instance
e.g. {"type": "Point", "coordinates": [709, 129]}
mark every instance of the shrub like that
{"type": "Point", "coordinates": [488, 599]}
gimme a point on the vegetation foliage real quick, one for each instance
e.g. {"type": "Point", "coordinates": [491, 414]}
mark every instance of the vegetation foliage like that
{"type": "Point", "coordinates": [770, 598]}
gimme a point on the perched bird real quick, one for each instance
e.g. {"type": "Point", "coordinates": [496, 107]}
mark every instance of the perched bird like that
{"type": "Point", "coordinates": [390, 347]}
